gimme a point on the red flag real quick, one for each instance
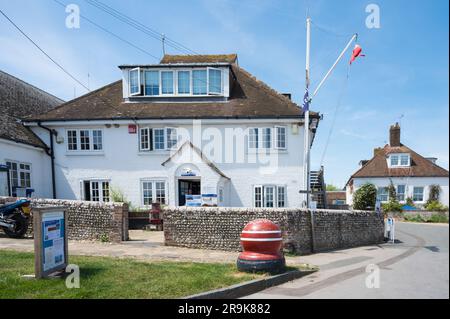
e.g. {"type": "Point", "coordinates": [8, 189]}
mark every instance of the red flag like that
{"type": "Point", "coordinates": [356, 53]}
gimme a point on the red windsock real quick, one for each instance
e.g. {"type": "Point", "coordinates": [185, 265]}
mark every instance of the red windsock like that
{"type": "Point", "coordinates": [356, 53]}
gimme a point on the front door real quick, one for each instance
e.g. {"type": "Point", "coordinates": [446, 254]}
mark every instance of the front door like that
{"type": "Point", "coordinates": [187, 187]}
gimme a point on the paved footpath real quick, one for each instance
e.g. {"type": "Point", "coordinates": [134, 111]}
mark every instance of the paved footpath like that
{"type": "Point", "coordinates": [417, 266]}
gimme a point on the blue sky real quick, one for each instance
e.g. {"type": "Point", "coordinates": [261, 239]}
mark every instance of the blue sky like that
{"type": "Point", "coordinates": [405, 71]}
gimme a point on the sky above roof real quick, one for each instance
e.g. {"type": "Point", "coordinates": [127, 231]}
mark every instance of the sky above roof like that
{"type": "Point", "coordinates": [403, 77]}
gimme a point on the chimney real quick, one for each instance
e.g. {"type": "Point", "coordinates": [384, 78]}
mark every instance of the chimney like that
{"type": "Point", "coordinates": [394, 135]}
{"type": "Point", "coordinates": [288, 95]}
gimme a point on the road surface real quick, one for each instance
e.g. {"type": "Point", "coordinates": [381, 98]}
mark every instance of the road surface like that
{"type": "Point", "coordinates": [417, 266]}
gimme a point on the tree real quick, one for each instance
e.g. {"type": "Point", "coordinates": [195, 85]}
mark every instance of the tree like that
{"type": "Point", "coordinates": [332, 188]}
{"type": "Point", "coordinates": [435, 191]}
{"type": "Point", "coordinates": [365, 197]}
{"type": "Point", "coordinates": [392, 192]}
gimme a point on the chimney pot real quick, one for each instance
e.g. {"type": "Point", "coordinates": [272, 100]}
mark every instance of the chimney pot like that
{"type": "Point", "coordinates": [394, 135]}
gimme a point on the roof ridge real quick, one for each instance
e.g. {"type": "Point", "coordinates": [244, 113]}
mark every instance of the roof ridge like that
{"type": "Point", "coordinates": [33, 86]}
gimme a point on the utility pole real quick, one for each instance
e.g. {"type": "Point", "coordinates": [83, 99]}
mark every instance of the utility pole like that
{"type": "Point", "coordinates": [306, 157]}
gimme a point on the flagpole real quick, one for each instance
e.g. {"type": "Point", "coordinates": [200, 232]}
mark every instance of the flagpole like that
{"type": "Point", "coordinates": [306, 161]}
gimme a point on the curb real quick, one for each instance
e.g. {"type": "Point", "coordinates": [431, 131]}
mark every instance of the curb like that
{"type": "Point", "coordinates": [251, 287]}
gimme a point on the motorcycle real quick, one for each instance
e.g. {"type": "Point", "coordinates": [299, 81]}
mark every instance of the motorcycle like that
{"type": "Point", "coordinates": [15, 217]}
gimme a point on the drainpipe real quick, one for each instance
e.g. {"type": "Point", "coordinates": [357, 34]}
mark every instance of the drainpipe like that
{"type": "Point", "coordinates": [52, 156]}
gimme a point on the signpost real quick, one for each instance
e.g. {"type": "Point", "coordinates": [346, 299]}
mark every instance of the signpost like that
{"type": "Point", "coordinates": [390, 229]}
{"type": "Point", "coordinates": [50, 240]}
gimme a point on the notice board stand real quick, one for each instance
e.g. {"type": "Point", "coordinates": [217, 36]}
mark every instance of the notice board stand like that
{"type": "Point", "coordinates": [50, 240]}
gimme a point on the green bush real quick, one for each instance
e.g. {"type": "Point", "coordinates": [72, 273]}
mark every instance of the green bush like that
{"type": "Point", "coordinates": [365, 197]}
{"type": "Point", "coordinates": [415, 218]}
{"type": "Point", "coordinates": [438, 218]}
{"type": "Point", "coordinates": [435, 206]}
{"type": "Point", "coordinates": [392, 206]}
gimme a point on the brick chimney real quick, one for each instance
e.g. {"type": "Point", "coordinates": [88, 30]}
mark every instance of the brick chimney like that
{"type": "Point", "coordinates": [394, 135]}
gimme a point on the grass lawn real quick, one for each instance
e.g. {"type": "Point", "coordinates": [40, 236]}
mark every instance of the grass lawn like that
{"type": "Point", "coordinates": [105, 277]}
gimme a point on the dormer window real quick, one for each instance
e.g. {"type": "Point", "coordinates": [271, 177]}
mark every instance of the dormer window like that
{"type": "Point", "coordinates": [399, 160]}
{"type": "Point", "coordinates": [151, 79]}
{"type": "Point", "coordinates": [199, 82]}
{"type": "Point", "coordinates": [167, 82]}
{"type": "Point", "coordinates": [172, 82]}
{"type": "Point", "coordinates": [135, 81]}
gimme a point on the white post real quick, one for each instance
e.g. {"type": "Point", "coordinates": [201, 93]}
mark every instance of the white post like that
{"type": "Point", "coordinates": [306, 124]}
{"type": "Point", "coordinates": [334, 65]}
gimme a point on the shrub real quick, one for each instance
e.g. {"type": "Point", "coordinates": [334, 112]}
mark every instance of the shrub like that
{"type": "Point", "coordinates": [438, 218]}
{"type": "Point", "coordinates": [392, 206]}
{"type": "Point", "coordinates": [435, 191]}
{"type": "Point", "coordinates": [392, 192]}
{"type": "Point", "coordinates": [365, 197]}
{"type": "Point", "coordinates": [435, 206]}
{"type": "Point", "coordinates": [415, 218]}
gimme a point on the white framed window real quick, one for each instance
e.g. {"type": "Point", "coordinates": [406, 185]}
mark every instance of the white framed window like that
{"type": "Point", "coordinates": [394, 160]}
{"type": "Point", "coordinates": [153, 191]}
{"type": "Point", "coordinates": [404, 160]}
{"type": "Point", "coordinates": [184, 82]}
{"type": "Point", "coordinates": [418, 193]}
{"type": "Point", "coordinates": [19, 174]}
{"type": "Point", "coordinates": [281, 196]}
{"type": "Point", "coordinates": [266, 137]}
{"type": "Point", "coordinates": [72, 140]}
{"type": "Point", "coordinates": [280, 137]}
{"type": "Point", "coordinates": [253, 138]}
{"type": "Point", "coordinates": [144, 139]}
{"type": "Point", "coordinates": [135, 81]}
{"type": "Point", "coordinates": [399, 160]}
{"type": "Point", "coordinates": [214, 81]}
{"type": "Point", "coordinates": [84, 140]}
{"type": "Point", "coordinates": [95, 190]}
{"type": "Point", "coordinates": [151, 83]}
{"type": "Point", "coordinates": [383, 194]}
{"type": "Point", "coordinates": [401, 190]}
{"type": "Point", "coordinates": [159, 141]}
{"type": "Point", "coordinates": [199, 82]}
{"type": "Point", "coordinates": [172, 137]}
{"type": "Point", "coordinates": [269, 196]}
{"type": "Point", "coordinates": [167, 83]}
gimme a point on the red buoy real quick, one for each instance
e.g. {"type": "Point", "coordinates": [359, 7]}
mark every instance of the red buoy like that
{"type": "Point", "coordinates": [261, 240]}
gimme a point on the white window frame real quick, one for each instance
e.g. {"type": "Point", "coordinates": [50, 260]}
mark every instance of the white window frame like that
{"type": "Point", "coordinates": [276, 137]}
{"type": "Point", "coordinates": [403, 194]}
{"type": "Point", "coordinates": [422, 194]}
{"type": "Point", "coordinates": [139, 81]}
{"type": "Point", "coordinates": [263, 141]}
{"type": "Point", "coordinates": [161, 83]}
{"type": "Point", "coordinates": [20, 170]}
{"type": "Point", "coordinates": [208, 81]}
{"type": "Point", "coordinates": [164, 147]}
{"type": "Point", "coordinates": [190, 83]}
{"type": "Point", "coordinates": [166, 131]}
{"type": "Point", "coordinates": [91, 140]}
{"type": "Point", "coordinates": [257, 146]}
{"type": "Point", "coordinates": [384, 194]}
{"type": "Point", "coordinates": [399, 160]}
{"type": "Point", "coordinates": [263, 199]}
{"type": "Point", "coordinates": [153, 182]}
{"type": "Point", "coordinates": [146, 129]}
{"type": "Point", "coordinates": [100, 182]}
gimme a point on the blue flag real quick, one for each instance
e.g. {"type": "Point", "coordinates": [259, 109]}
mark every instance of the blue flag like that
{"type": "Point", "coordinates": [306, 101]}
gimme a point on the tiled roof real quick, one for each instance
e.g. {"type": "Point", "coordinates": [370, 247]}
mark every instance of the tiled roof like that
{"type": "Point", "coordinates": [420, 166]}
{"type": "Point", "coordinates": [249, 98]}
{"type": "Point", "coordinates": [18, 100]}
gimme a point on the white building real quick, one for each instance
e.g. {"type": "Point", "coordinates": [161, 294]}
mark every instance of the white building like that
{"type": "Point", "coordinates": [191, 125]}
{"type": "Point", "coordinates": [411, 174]}
{"type": "Point", "coordinates": [24, 158]}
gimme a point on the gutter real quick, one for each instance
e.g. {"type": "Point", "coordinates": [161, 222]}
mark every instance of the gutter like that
{"type": "Point", "coordinates": [52, 155]}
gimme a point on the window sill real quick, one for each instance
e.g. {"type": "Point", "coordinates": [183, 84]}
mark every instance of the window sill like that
{"type": "Point", "coordinates": [267, 151]}
{"type": "Point", "coordinates": [85, 153]}
{"type": "Point", "coordinates": [158, 152]}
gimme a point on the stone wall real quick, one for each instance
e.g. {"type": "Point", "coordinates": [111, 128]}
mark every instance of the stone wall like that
{"type": "Point", "coordinates": [219, 228]}
{"type": "Point", "coordinates": [89, 220]}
